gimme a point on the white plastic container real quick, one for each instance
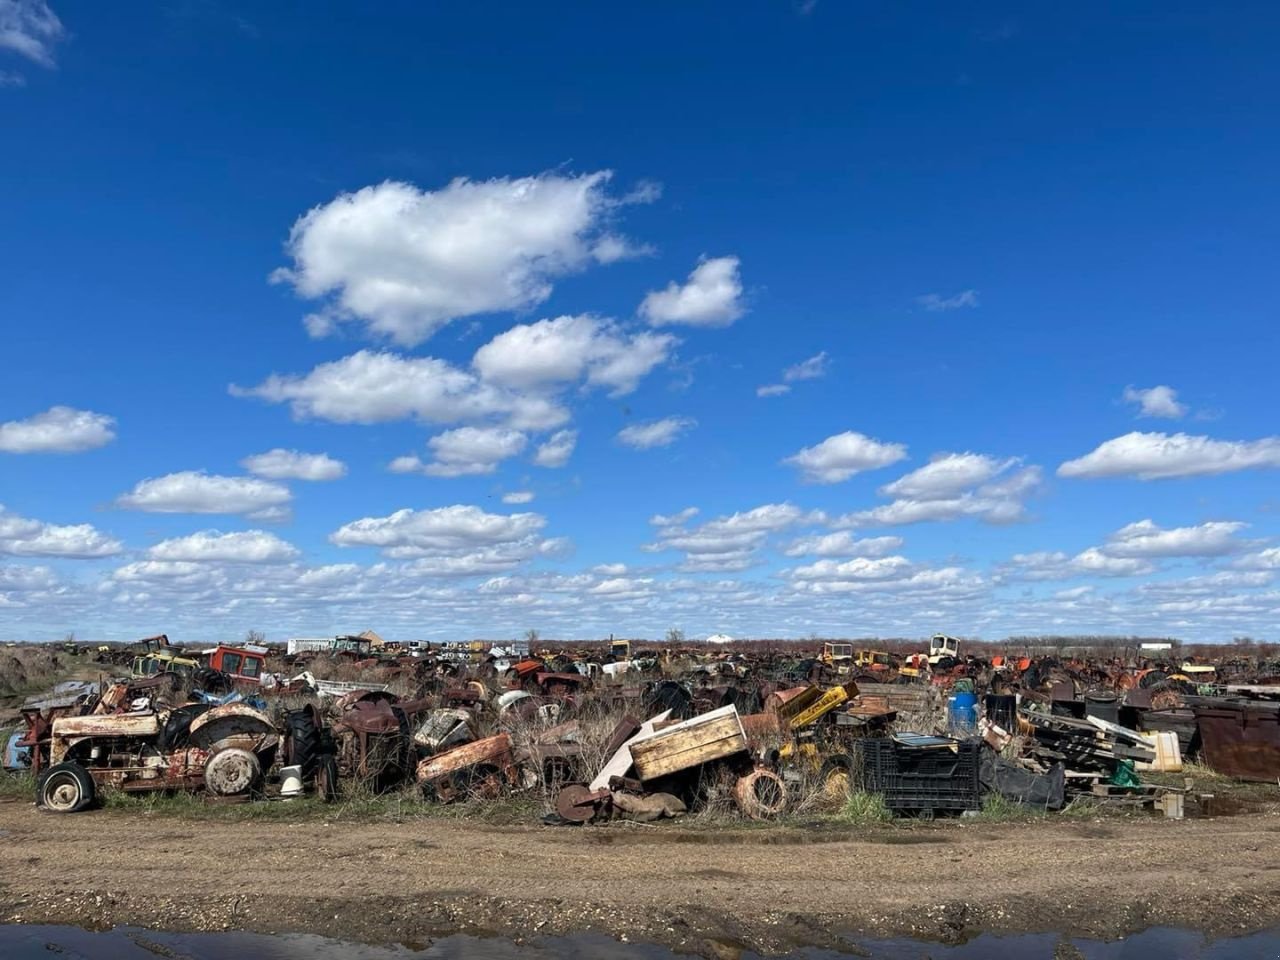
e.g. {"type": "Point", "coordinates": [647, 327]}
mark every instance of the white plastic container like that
{"type": "Point", "coordinates": [291, 781]}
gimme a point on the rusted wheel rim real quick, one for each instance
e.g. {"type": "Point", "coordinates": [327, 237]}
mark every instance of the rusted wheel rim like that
{"type": "Point", "coordinates": [63, 794]}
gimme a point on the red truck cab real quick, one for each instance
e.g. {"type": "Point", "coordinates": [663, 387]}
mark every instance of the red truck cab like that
{"type": "Point", "coordinates": [245, 664]}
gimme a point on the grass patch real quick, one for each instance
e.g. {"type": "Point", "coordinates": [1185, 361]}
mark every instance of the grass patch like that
{"type": "Point", "coordinates": [20, 786]}
{"type": "Point", "coordinates": [996, 808]}
{"type": "Point", "coordinates": [863, 808]}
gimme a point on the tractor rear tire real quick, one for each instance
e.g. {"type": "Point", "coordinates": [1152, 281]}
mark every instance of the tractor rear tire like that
{"type": "Point", "coordinates": [65, 788]}
{"type": "Point", "coordinates": [302, 742]}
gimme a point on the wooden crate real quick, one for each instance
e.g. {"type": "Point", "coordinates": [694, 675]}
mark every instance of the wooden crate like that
{"type": "Point", "coordinates": [709, 736]}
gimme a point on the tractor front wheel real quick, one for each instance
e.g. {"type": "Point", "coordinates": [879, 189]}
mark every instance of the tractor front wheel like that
{"type": "Point", "coordinates": [65, 788]}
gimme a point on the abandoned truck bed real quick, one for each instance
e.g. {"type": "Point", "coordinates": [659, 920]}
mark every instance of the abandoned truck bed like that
{"type": "Point", "coordinates": [771, 887]}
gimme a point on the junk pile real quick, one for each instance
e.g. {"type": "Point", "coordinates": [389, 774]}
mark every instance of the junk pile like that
{"type": "Point", "coordinates": [607, 733]}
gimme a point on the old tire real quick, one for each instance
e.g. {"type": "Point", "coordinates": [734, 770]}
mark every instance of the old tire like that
{"type": "Point", "coordinates": [65, 788]}
{"type": "Point", "coordinates": [302, 741]}
{"type": "Point", "coordinates": [761, 794]}
{"type": "Point", "coordinates": [836, 779]}
{"type": "Point", "coordinates": [212, 681]}
{"type": "Point", "coordinates": [232, 773]}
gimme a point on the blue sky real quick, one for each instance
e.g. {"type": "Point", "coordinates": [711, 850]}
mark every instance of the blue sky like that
{"type": "Point", "coordinates": [444, 319]}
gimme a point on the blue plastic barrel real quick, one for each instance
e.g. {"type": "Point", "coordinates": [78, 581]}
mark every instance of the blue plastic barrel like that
{"type": "Point", "coordinates": [962, 712]}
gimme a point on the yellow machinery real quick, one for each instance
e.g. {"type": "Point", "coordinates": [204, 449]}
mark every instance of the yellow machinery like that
{"type": "Point", "coordinates": [838, 656]}
{"type": "Point", "coordinates": [620, 649]}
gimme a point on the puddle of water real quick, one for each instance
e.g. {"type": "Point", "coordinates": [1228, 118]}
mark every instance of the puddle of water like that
{"type": "Point", "coordinates": [18, 942]}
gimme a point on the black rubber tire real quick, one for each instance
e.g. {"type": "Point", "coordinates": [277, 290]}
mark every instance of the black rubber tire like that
{"type": "Point", "coordinates": [212, 681]}
{"type": "Point", "coordinates": [302, 742]}
{"type": "Point", "coordinates": [177, 729]}
{"type": "Point", "coordinates": [65, 788]}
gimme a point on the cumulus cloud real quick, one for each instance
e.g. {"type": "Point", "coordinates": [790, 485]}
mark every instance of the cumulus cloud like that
{"type": "Point", "coordinates": [557, 450]}
{"type": "Point", "coordinates": [405, 261]}
{"type": "Point", "coordinates": [437, 533]}
{"type": "Point", "coordinates": [192, 491]}
{"type": "Point", "coordinates": [468, 451]}
{"type": "Point", "coordinates": [566, 349]}
{"type": "Point", "coordinates": [655, 433]}
{"type": "Point", "coordinates": [839, 457]}
{"type": "Point", "coordinates": [30, 29]}
{"type": "Point", "coordinates": [1146, 539]}
{"type": "Point", "coordinates": [280, 464]}
{"type": "Point", "coordinates": [934, 302]}
{"type": "Point", "coordinates": [57, 430]}
{"type": "Point", "coordinates": [206, 546]}
{"type": "Point", "coordinates": [1057, 565]}
{"type": "Point", "coordinates": [23, 537]}
{"type": "Point", "coordinates": [518, 497]}
{"type": "Point", "coordinates": [1158, 401]}
{"type": "Point", "coordinates": [946, 475]}
{"type": "Point", "coordinates": [711, 297]}
{"type": "Point", "coordinates": [378, 387]}
{"type": "Point", "coordinates": [1155, 456]}
{"type": "Point", "coordinates": [951, 486]}
{"type": "Point", "coordinates": [843, 544]}
{"type": "Point", "coordinates": [726, 543]}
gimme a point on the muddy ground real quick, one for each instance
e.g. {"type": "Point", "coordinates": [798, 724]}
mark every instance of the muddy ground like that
{"type": "Point", "coordinates": [702, 890]}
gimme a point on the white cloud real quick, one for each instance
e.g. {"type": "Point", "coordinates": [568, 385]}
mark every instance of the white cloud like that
{"type": "Point", "coordinates": [726, 543]}
{"type": "Point", "coordinates": [1153, 456]}
{"type": "Point", "coordinates": [655, 433]}
{"type": "Point", "coordinates": [22, 537]}
{"type": "Point", "coordinates": [378, 387]}
{"type": "Point", "coordinates": [839, 457]}
{"type": "Point", "coordinates": [711, 297]}
{"type": "Point", "coordinates": [843, 544]}
{"type": "Point", "coordinates": [1096, 561]}
{"type": "Point", "coordinates": [406, 261]}
{"type": "Point", "coordinates": [1056, 565]}
{"type": "Point", "coordinates": [934, 302]}
{"type": "Point", "coordinates": [1158, 401]}
{"type": "Point", "coordinates": [557, 450]}
{"type": "Point", "coordinates": [468, 451]}
{"type": "Point", "coordinates": [280, 464]}
{"type": "Point", "coordinates": [950, 487]}
{"type": "Point", "coordinates": [406, 464]}
{"type": "Point", "coordinates": [772, 390]}
{"type": "Point", "coordinates": [1145, 539]}
{"type": "Point", "coordinates": [249, 546]}
{"type": "Point", "coordinates": [29, 28]}
{"type": "Point", "coordinates": [946, 475]}
{"type": "Point", "coordinates": [192, 491]}
{"type": "Point", "coordinates": [437, 532]}
{"type": "Point", "coordinates": [516, 497]}
{"type": "Point", "coordinates": [57, 430]}
{"type": "Point", "coordinates": [563, 350]}
{"type": "Point", "coordinates": [859, 568]}
{"type": "Point", "coordinates": [1268, 559]}
{"type": "Point", "coordinates": [812, 369]}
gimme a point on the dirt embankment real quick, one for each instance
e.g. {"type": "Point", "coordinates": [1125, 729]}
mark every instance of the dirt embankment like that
{"type": "Point", "coordinates": [693, 888]}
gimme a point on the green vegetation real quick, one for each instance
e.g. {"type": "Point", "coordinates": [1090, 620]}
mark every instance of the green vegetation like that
{"type": "Point", "coordinates": [863, 808]}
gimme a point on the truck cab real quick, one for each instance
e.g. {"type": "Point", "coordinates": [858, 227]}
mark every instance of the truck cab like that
{"type": "Point", "coordinates": [620, 649]}
{"type": "Point", "coordinates": [246, 664]}
{"type": "Point", "coordinates": [836, 654]}
{"type": "Point", "coordinates": [942, 646]}
{"type": "Point", "coordinates": [162, 661]}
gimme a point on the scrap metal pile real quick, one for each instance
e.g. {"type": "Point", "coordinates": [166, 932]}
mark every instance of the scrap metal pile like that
{"type": "Point", "coordinates": [597, 733]}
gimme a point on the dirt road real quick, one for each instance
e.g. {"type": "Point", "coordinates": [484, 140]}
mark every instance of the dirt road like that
{"type": "Point", "coordinates": [695, 888]}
